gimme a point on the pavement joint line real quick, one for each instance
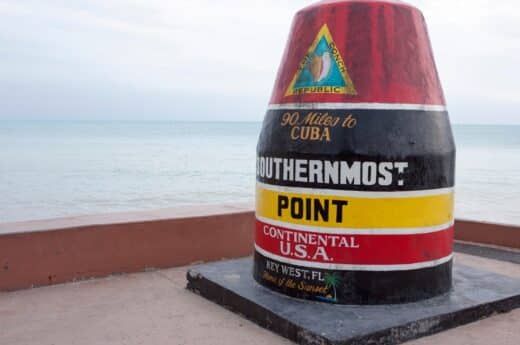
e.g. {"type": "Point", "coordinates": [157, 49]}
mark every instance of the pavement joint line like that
{"type": "Point", "coordinates": [161, 274]}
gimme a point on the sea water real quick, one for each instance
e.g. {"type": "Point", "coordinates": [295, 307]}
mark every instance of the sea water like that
{"type": "Point", "coordinates": [64, 168]}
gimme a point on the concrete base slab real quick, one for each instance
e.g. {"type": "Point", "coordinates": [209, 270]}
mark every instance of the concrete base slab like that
{"type": "Point", "coordinates": [476, 295]}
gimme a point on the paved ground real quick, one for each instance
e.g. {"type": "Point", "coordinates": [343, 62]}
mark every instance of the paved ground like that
{"type": "Point", "coordinates": [154, 308]}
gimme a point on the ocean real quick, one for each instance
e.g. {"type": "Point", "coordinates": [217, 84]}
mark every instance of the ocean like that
{"type": "Point", "coordinates": [65, 168]}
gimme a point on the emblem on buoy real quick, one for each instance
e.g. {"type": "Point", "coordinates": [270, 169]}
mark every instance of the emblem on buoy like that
{"type": "Point", "coordinates": [322, 70]}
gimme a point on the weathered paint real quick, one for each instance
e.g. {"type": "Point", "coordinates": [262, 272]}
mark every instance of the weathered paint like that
{"type": "Point", "coordinates": [356, 160]}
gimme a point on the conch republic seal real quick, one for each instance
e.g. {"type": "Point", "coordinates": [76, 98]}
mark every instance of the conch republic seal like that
{"type": "Point", "coordinates": [355, 161]}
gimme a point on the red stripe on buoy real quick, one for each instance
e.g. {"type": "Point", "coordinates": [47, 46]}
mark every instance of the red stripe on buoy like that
{"type": "Point", "coordinates": [354, 249]}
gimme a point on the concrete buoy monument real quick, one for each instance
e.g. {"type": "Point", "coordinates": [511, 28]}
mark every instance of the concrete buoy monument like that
{"type": "Point", "coordinates": [355, 161]}
{"type": "Point", "coordinates": [354, 227]}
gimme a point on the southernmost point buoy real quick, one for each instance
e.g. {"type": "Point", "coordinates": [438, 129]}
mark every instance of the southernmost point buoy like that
{"type": "Point", "coordinates": [355, 161]}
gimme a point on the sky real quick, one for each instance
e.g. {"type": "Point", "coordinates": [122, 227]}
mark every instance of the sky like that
{"type": "Point", "coordinates": [217, 60]}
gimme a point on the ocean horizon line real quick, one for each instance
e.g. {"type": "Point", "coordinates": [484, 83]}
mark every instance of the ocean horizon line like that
{"type": "Point", "coordinates": [205, 121]}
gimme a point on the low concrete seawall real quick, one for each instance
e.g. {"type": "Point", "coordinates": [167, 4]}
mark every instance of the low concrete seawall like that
{"type": "Point", "coordinates": [39, 253]}
{"type": "Point", "coordinates": [46, 252]}
{"type": "Point", "coordinates": [502, 235]}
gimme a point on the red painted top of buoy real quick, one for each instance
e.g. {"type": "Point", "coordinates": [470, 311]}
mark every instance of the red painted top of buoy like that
{"type": "Point", "coordinates": [383, 45]}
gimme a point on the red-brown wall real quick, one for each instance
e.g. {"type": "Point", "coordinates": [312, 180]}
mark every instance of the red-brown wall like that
{"type": "Point", "coordinates": [84, 247]}
{"type": "Point", "coordinates": [488, 233]}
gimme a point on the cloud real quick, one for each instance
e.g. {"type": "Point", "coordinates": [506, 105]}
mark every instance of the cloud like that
{"type": "Point", "coordinates": [109, 57]}
{"type": "Point", "coordinates": [477, 50]}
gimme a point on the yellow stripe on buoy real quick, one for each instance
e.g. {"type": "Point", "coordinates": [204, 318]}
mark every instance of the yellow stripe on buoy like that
{"type": "Point", "coordinates": [333, 211]}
